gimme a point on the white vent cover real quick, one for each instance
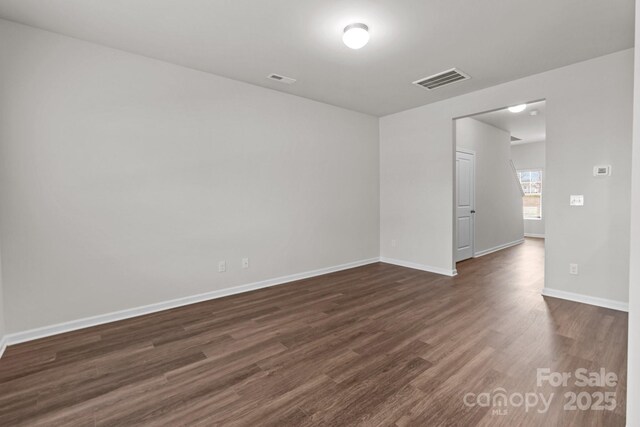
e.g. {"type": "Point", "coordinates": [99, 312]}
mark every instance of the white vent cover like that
{"type": "Point", "coordinates": [281, 79]}
{"type": "Point", "coordinates": [442, 79]}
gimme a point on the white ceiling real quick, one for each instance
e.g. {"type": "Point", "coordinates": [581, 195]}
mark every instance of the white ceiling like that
{"type": "Point", "coordinates": [522, 125]}
{"type": "Point", "coordinates": [492, 40]}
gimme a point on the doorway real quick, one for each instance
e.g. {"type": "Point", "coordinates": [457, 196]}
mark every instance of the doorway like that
{"type": "Point", "coordinates": [499, 174]}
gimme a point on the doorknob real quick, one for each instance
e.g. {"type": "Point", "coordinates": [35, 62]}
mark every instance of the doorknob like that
{"type": "Point", "coordinates": [473, 211]}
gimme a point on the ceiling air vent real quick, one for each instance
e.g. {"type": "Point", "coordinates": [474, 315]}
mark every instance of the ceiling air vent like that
{"type": "Point", "coordinates": [281, 79]}
{"type": "Point", "coordinates": [442, 79]}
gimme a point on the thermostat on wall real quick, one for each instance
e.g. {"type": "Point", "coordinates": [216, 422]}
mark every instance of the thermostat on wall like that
{"type": "Point", "coordinates": [604, 170]}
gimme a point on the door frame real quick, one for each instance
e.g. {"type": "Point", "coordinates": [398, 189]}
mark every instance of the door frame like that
{"type": "Point", "coordinates": [473, 202]}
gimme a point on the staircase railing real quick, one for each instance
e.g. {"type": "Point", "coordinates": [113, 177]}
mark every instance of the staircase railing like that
{"type": "Point", "coordinates": [515, 175]}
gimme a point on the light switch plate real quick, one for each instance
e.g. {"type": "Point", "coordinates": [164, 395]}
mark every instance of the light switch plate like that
{"type": "Point", "coordinates": [602, 170]}
{"type": "Point", "coordinates": [576, 200]}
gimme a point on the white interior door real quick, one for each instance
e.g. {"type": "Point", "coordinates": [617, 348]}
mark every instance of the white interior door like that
{"type": "Point", "coordinates": [465, 204]}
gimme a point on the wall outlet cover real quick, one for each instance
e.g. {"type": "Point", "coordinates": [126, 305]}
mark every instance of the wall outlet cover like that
{"type": "Point", "coordinates": [573, 268]}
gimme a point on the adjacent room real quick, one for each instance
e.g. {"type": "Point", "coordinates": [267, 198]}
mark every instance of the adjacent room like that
{"type": "Point", "coordinates": [340, 213]}
{"type": "Point", "coordinates": [500, 157]}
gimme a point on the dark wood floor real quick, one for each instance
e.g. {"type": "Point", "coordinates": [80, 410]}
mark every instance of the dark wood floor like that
{"type": "Point", "coordinates": [375, 345]}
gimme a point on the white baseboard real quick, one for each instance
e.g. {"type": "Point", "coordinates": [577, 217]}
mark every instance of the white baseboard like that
{"type": "Point", "coordinates": [3, 345]}
{"type": "Point", "coordinates": [497, 248]}
{"type": "Point", "coordinates": [537, 236]}
{"type": "Point", "coordinates": [586, 299]}
{"type": "Point", "coordinates": [46, 331]}
{"type": "Point", "coordinates": [416, 266]}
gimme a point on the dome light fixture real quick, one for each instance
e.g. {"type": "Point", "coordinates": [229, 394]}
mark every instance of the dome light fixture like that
{"type": "Point", "coordinates": [356, 35]}
{"type": "Point", "coordinates": [518, 108]}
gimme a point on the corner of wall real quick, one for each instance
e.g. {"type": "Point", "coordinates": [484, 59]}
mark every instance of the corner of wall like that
{"type": "Point", "coordinates": [633, 369]}
{"type": "Point", "coordinates": [3, 335]}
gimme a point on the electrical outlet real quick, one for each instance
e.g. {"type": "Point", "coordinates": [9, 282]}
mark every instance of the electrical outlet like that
{"type": "Point", "coordinates": [394, 243]}
{"type": "Point", "coordinates": [573, 268]}
{"type": "Point", "coordinates": [245, 262]}
{"type": "Point", "coordinates": [222, 266]}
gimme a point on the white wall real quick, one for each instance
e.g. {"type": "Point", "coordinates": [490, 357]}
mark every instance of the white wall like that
{"type": "Point", "coordinates": [532, 156]}
{"type": "Point", "coordinates": [124, 180]}
{"type": "Point", "coordinates": [498, 218]}
{"type": "Point", "coordinates": [2, 321]}
{"type": "Point", "coordinates": [416, 178]}
{"type": "Point", "coordinates": [633, 368]}
{"type": "Point", "coordinates": [588, 123]}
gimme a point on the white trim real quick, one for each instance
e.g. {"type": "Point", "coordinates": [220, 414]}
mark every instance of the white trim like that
{"type": "Point", "coordinates": [46, 331]}
{"type": "Point", "coordinates": [3, 345]}
{"type": "Point", "coordinates": [465, 150]}
{"type": "Point", "coordinates": [417, 266]}
{"type": "Point", "coordinates": [497, 248]}
{"type": "Point", "coordinates": [586, 299]}
{"type": "Point", "coordinates": [537, 236]}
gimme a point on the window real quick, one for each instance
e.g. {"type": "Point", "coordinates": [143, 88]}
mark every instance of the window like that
{"type": "Point", "coordinates": [531, 181]}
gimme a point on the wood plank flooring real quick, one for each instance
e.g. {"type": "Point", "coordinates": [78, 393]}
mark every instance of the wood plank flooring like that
{"type": "Point", "coordinates": [375, 345]}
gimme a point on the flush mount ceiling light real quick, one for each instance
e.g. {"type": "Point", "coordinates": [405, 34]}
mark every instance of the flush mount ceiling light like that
{"type": "Point", "coordinates": [518, 108]}
{"type": "Point", "coordinates": [356, 35]}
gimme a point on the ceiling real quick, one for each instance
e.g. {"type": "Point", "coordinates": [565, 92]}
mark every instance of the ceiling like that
{"type": "Point", "coordinates": [492, 40]}
{"type": "Point", "coordinates": [522, 125]}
